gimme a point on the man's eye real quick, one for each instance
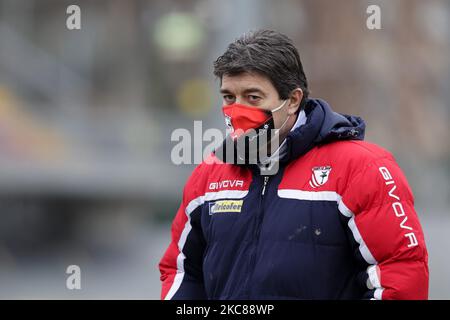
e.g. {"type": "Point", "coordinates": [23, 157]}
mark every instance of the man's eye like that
{"type": "Point", "coordinates": [253, 98]}
{"type": "Point", "coordinates": [228, 98]}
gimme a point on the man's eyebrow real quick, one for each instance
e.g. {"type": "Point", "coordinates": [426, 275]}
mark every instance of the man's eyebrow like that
{"type": "Point", "coordinates": [246, 91]}
{"type": "Point", "coordinates": [254, 90]}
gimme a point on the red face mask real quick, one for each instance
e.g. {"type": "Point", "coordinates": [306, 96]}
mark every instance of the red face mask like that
{"type": "Point", "coordinates": [239, 118]}
{"type": "Point", "coordinates": [247, 123]}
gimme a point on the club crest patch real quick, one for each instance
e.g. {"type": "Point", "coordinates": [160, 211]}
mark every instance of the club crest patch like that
{"type": "Point", "coordinates": [319, 176]}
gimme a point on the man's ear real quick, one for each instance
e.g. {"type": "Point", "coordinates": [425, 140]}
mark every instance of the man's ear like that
{"type": "Point", "coordinates": [294, 100]}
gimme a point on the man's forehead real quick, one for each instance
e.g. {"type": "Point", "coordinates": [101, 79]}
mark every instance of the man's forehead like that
{"type": "Point", "coordinates": [245, 82]}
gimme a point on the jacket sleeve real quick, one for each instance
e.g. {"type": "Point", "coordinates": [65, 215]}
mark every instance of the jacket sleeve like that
{"type": "Point", "coordinates": [181, 265]}
{"type": "Point", "coordinates": [379, 206]}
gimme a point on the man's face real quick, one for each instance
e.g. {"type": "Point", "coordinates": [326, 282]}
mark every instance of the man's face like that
{"type": "Point", "coordinates": [253, 89]}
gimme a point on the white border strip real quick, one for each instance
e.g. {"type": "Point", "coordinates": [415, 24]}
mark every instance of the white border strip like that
{"type": "Point", "coordinates": [373, 277]}
{"type": "Point", "coordinates": [378, 294]}
{"type": "Point", "coordinates": [365, 252]}
{"type": "Point", "coordinates": [194, 204]}
{"type": "Point", "coordinates": [180, 260]}
{"type": "Point", "coordinates": [308, 195]}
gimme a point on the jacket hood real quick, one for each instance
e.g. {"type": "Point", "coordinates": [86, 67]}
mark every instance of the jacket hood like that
{"type": "Point", "coordinates": [323, 125]}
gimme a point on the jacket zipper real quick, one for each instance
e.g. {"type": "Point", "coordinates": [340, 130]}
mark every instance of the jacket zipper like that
{"type": "Point", "coordinates": [261, 214]}
{"type": "Point", "coordinates": [257, 232]}
{"type": "Point", "coordinates": [266, 179]}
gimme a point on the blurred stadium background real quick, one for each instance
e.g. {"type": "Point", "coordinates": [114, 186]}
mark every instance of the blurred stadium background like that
{"type": "Point", "coordinates": [86, 118]}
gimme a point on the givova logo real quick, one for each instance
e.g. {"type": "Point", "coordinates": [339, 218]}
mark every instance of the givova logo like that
{"type": "Point", "coordinates": [227, 206]}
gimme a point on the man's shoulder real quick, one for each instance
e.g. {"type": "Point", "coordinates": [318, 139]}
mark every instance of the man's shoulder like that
{"type": "Point", "coordinates": [361, 160]}
{"type": "Point", "coordinates": [346, 151]}
{"type": "Point", "coordinates": [340, 160]}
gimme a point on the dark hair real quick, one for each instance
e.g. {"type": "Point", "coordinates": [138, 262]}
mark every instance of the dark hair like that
{"type": "Point", "coordinates": [269, 53]}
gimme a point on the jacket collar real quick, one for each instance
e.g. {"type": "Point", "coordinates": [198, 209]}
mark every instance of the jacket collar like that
{"type": "Point", "coordinates": [317, 124]}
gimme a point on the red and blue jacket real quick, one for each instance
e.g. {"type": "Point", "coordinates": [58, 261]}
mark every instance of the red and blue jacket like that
{"type": "Point", "coordinates": [337, 221]}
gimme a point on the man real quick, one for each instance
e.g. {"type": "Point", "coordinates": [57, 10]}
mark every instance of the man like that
{"type": "Point", "coordinates": [335, 221]}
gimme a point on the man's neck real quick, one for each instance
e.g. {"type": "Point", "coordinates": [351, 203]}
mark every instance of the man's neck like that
{"type": "Point", "coordinates": [298, 120]}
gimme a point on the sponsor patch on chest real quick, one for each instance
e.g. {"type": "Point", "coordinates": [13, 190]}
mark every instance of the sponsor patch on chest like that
{"type": "Point", "coordinates": [225, 206]}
